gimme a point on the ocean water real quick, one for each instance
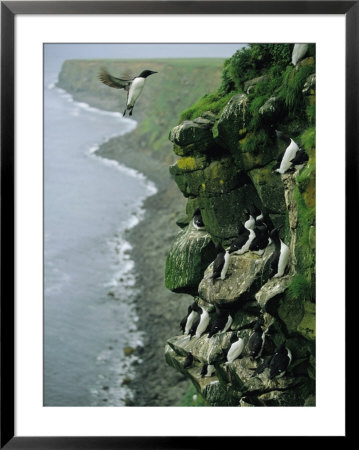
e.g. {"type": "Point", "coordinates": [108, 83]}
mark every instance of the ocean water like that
{"type": "Point", "coordinates": [89, 277]}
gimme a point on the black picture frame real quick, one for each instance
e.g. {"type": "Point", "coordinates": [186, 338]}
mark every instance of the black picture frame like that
{"type": "Point", "coordinates": [9, 9]}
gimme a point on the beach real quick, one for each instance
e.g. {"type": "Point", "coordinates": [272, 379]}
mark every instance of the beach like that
{"type": "Point", "coordinates": [159, 310]}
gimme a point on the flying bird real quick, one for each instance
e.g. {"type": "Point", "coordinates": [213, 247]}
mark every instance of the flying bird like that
{"type": "Point", "coordinates": [133, 86]}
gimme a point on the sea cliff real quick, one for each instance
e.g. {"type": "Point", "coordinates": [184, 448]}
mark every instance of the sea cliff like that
{"type": "Point", "coordinates": [206, 137]}
{"type": "Point", "coordinates": [228, 154]}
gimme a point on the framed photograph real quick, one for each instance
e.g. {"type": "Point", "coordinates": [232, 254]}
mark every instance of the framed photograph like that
{"type": "Point", "coordinates": [164, 169]}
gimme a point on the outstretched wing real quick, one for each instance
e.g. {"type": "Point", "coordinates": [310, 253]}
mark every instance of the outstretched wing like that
{"type": "Point", "coordinates": [114, 82]}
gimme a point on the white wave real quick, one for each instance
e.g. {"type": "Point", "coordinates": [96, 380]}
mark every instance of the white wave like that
{"type": "Point", "coordinates": [130, 123]}
{"type": "Point", "coordinates": [122, 282]}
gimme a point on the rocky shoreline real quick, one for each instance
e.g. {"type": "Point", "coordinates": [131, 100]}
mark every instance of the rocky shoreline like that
{"type": "Point", "coordinates": [158, 309]}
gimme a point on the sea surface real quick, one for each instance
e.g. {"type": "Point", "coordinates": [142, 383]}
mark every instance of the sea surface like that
{"type": "Point", "coordinates": [89, 277]}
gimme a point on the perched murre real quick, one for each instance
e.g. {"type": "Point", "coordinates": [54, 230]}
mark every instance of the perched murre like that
{"type": "Point", "coordinates": [207, 370]}
{"type": "Point", "coordinates": [242, 243]}
{"type": "Point", "coordinates": [133, 86]}
{"type": "Point", "coordinates": [221, 322]}
{"type": "Point", "coordinates": [184, 320]}
{"type": "Point", "coordinates": [279, 362]}
{"type": "Point", "coordinates": [300, 160]}
{"type": "Point", "coordinates": [188, 361]}
{"type": "Point", "coordinates": [280, 257]}
{"type": "Point", "coordinates": [236, 348]}
{"type": "Point", "coordinates": [288, 155]}
{"type": "Point", "coordinates": [203, 323]}
{"type": "Point", "coordinates": [194, 326]}
{"type": "Point", "coordinates": [220, 264]}
{"type": "Point", "coordinates": [194, 314]}
{"type": "Point", "coordinates": [197, 220]}
{"type": "Point", "coordinates": [261, 239]}
{"type": "Point", "coordinates": [256, 212]}
{"type": "Point", "coordinates": [240, 240]}
{"type": "Point", "coordinates": [299, 51]}
{"type": "Point", "coordinates": [256, 341]}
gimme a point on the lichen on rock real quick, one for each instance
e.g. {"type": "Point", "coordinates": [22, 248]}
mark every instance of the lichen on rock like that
{"type": "Point", "coordinates": [226, 166]}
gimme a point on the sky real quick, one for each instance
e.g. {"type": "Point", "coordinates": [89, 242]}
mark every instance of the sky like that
{"type": "Point", "coordinates": [138, 51]}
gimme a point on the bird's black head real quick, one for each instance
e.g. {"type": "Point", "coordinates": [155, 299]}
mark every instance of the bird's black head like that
{"type": "Point", "coordinates": [282, 136]}
{"type": "Point", "coordinates": [197, 212]}
{"type": "Point", "coordinates": [146, 73]}
{"type": "Point", "coordinates": [219, 247]}
{"type": "Point", "coordinates": [280, 348]}
{"type": "Point", "coordinates": [254, 210]}
{"type": "Point", "coordinates": [274, 234]}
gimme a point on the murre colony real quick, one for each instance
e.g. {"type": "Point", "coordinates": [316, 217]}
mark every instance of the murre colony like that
{"type": "Point", "coordinates": [246, 245]}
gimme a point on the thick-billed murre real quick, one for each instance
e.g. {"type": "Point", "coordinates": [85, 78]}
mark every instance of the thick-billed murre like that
{"type": "Point", "coordinates": [236, 348]}
{"type": "Point", "coordinates": [285, 159]}
{"type": "Point", "coordinates": [256, 341]}
{"type": "Point", "coordinates": [197, 220]}
{"type": "Point", "coordinates": [279, 362]}
{"type": "Point", "coordinates": [220, 264]}
{"type": "Point", "coordinates": [133, 86]}
{"type": "Point", "coordinates": [280, 257]}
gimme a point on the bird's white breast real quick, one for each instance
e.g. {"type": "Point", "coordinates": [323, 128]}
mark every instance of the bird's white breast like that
{"type": "Point", "coordinates": [288, 156]}
{"type": "Point", "coordinates": [203, 323]}
{"type": "Point", "coordinates": [225, 266]}
{"type": "Point", "coordinates": [191, 318]}
{"type": "Point", "coordinates": [228, 324]}
{"type": "Point", "coordinates": [283, 259]}
{"type": "Point", "coordinates": [235, 350]}
{"type": "Point", "coordinates": [135, 90]}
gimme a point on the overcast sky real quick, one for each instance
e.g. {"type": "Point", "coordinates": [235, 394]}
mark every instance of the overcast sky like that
{"type": "Point", "coordinates": [138, 51]}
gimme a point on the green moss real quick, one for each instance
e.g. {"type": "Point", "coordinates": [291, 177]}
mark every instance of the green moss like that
{"type": "Point", "coordinates": [311, 114]}
{"type": "Point", "coordinates": [300, 288]}
{"type": "Point", "coordinates": [210, 102]}
{"type": "Point", "coordinates": [307, 325]}
{"type": "Point", "coordinates": [252, 61]}
{"type": "Point", "coordinates": [291, 88]}
{"type": "Point", "coordinates": [192, 398]}
{"type": "Point", "coordinates": [254, 142]}
{"type": "Point", "coordinates": [307, 139]}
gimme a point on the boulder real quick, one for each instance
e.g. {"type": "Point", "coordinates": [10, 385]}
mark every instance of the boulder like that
{"type": "Point", "coordinates": [246, 274]}
{"type": "Point", "coordinates": [249, 85]}
{"type": "Point", "coordinates": [270, 189]}
{"type": "Point", "coordinates": [223, 213]}
{"type": "Point", "coordinates": [203, 349]}
{"type": "Point", "coordinates": [271, 108]}
{"type": "Point", "coordinates": [218, 177]}
{"type": "Point", "coordinates": [233, 119]}
{"type": "Point", "coordinates": [190, 254]}
{"type": "Point", "coordinates": [190, 136]}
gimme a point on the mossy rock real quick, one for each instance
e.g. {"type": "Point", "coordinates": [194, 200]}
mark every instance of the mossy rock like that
{"type": "Point", "coordinates": [270, 189]}
{"type": "Point", "coordinates": [246, 274]}
{"type": "Point", "coordinates": [223, 213]}
{"type": "Point", "coordinates": [190, 254]}
{"type": "Point", "coordinates": [258, 158]}
{"type": "Point", "coordinates": [249, 85]}
{"type": "Point", "coordinates": [188, 164]}
{"type": "Point", "coordinates": [206, 351]}
{"type": "Point", "coordinates": [307, 325]}
{"type": "Point", "coordinates": [190, 135]}
{"type": "Point", "coordinates": [219, 177]}
{"type": "Point", "coordinates": [291, 312]}
{"type": "Point", "coordinates": [233, 118]}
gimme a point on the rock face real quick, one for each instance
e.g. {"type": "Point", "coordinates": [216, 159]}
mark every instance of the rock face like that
{"type": "Point", "coordinates": [222, 175]}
